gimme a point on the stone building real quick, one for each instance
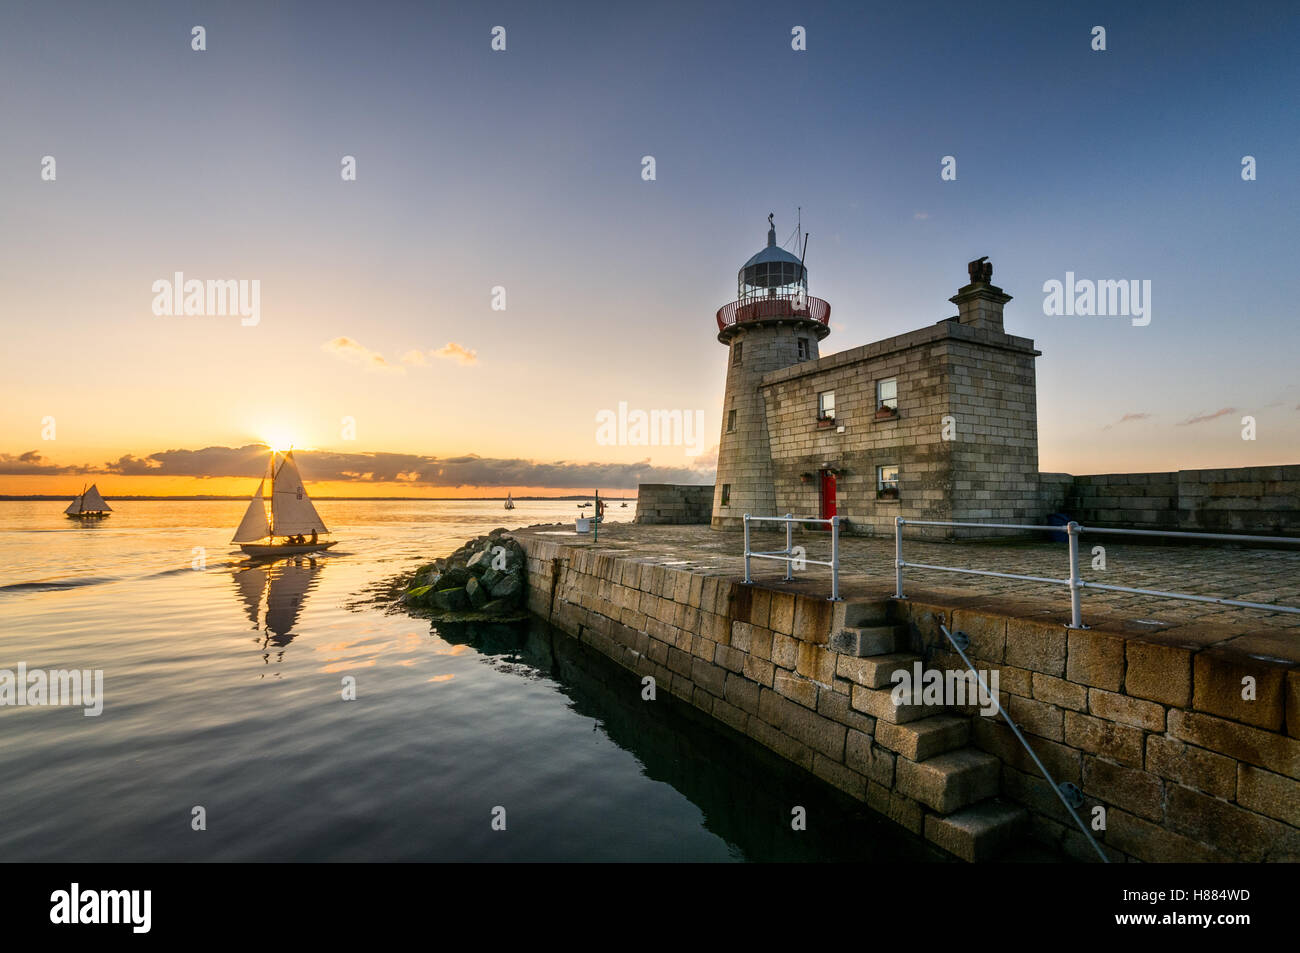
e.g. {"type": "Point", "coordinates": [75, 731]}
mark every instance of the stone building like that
{"type": "Point", "coordinates": [936, 424]}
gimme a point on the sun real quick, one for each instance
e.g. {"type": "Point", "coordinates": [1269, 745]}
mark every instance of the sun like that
{"type": "Point", "coordinates": [278, 440]}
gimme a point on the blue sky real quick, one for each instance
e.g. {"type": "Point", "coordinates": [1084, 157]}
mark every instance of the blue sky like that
{"type": "Point", "coordinates": [521, 169]}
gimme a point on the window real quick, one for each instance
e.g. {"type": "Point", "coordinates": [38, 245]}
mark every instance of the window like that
{"type": "Point", "coordinates": [731, 421]}
{"type": "Point", "coordinates": [804, 351]}
{"type": "Point", "coordinates": [726, 494]}
{"type": "Point", "coordinates": [887, 395]}
{"type": "Point", "coordinates": [737, 350]}
{"type": "Point", "coordinates": [826, 405]}
{"type": "Point", "coordinates": [887, 482]}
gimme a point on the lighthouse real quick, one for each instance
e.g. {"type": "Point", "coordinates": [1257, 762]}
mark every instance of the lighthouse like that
{"type": "Point", "coordinates": [772, 324]}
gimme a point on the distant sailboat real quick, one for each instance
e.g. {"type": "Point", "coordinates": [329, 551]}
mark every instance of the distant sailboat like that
{"type": "Point", "coordinates": [88, 506]}
{"type": "Point", "coordinates": [510, 502]}
{"type": "Point", "coordinates": [293, 517]}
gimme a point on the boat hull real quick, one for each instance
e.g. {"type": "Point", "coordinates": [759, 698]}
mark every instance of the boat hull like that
{"type": "Point", "coordinates": [87, 516]}
{"type": "Point", "coordinates": [283, 549]}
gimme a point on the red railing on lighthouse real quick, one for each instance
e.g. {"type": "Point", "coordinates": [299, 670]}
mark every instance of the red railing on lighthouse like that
{"type": "Point", "coordinates": [780, 306]}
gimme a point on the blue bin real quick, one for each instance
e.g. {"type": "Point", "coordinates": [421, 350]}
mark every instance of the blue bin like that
{"type": "Point", "coordinates": [1058, 519]}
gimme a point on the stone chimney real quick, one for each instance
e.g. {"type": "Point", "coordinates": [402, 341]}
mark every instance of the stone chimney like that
{"type": "Point", "coordinates": [979, 304]}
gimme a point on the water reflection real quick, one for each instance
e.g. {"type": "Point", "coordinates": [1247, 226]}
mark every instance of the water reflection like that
{"type": "Point", "coordinates": [273, 596]}
{"type": "Point", "coordinates": [743, 791]}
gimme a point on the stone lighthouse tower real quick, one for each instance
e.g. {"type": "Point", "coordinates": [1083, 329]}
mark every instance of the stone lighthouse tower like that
{"type": "Point", "coordinates": [772, 324]}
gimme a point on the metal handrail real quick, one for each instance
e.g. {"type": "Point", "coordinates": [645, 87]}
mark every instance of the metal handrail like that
{"type": "Point", "coordinates": [778, 306]}
{"type": "Point", "coordinates": [1075, 582]}
{"type": "Point", "coordinates": [1060, 789]}
{"type": "Point", "coordinates": [787, 556]}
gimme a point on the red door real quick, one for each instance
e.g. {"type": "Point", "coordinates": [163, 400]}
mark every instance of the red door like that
{"type": "Point", "coordinates": [828, 494]}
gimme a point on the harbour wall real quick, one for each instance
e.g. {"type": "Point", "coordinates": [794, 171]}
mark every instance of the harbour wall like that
{"type": "Point", "coordinates": [667, 503]}
{"type": "Point", "coordinates": [1263, 500]}
{"type": "Point", "coordinates": [1151, 727]}
{"type": "Point", "coordinates": [1252, 500]}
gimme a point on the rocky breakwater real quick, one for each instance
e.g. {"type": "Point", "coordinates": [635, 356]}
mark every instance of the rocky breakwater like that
{"type": "Point", "coordinates": [484, 579]}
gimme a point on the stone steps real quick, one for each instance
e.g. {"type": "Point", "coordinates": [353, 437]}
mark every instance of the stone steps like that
{"type": "Point", "coordinates": [852, 614]}
{"type": "Point", "coordinates": [951, 781]}
{"type": "Point", "coordinates": [875, 671]}
{"type": "Point", "coordinates": [880, 704]}
{"type": "Point", "coordinates": [862, 641]}
{"type": "Point", "coordinates": [926, 738]}
{"type": "Point", "coordinates": [934, 765]}
{"type": "Point", "coordinates": [980, 832]}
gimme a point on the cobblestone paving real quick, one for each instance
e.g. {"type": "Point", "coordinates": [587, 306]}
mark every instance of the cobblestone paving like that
{"type": "Point", "coordinates": [1245, 572]}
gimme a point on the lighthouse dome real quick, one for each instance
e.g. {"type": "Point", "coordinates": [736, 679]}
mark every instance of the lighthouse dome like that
{"type": "Point", "coordinates": [773, 271]}
{"type": "Point", "coordinates": [772, 253]}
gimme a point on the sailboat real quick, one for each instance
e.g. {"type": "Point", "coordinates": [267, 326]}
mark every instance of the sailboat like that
{"type": "Point", "coordinates": [510, 502]}
{"type": "Point", "coordinates": [88, 506]}
{"type": "Point", "coordinates": [294, 519]}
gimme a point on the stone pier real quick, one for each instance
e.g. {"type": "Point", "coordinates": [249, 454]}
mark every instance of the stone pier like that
{"type": "Point", "coordinates": [1179, 723]}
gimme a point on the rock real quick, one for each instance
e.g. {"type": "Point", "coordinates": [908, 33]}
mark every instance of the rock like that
{"type": "Point", "coordinates": [451, 600]}
{"type": "Point", "coordinates": [454, 577]}
{"type": "Point", "coordinates": [477, 593]}
{"type": "Point", "coordinates": [483, 578]}
{"type": "Point", "coordinates": [508, 587]}
{"type": "Point", "coordinates": [416, 596]}
{"type": "Point", "coordinates": [480, 563]}
{"type": "Point", "coordinates": [493, 576]}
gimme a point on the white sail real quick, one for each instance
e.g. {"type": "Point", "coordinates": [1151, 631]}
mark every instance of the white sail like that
{"type": "Point", "coordinates": [92, 502]}
{"type": "Point", "coordinates": [88, 502]}
{"type": "Point", "coordinates": [253, 526]}
{"type": "Point", "coordinates": [292, 512]}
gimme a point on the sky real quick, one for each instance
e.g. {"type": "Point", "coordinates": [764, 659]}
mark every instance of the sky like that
{"type": "Point", "coordinates": [377, 349]}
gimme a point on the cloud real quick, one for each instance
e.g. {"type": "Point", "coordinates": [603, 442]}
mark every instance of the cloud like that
{"type": "Point", "coordinates": [408, 469]}
{"type": "Point", "coordinates": [29, 463]}
{"type": "Point", "coordinates": [247, 461]}
{"type": "Point", "coordinates": [357, 353]}
{"type": "Point", "coordinates": [452, 351]}
{"type": "Point", "coordinates": [920, 216]}
{"type": "Point", "coordinates": [1128, 418]}
{"type": "Point", "coordinates": [1204, 417]}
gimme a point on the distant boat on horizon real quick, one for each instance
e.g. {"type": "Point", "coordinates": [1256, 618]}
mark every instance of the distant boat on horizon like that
{"type": "Point", "coordinates": [89, 505]}
{"type": "Point", "coordinates": [510, 502]}
{"type": "Point", "coordinates": [293, 516]}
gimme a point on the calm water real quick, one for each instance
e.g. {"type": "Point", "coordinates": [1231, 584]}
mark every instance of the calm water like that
{"type": "Point", "coordinates": [223, 689]}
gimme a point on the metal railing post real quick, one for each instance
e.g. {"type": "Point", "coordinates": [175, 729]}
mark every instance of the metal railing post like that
{"type": "Point", "coordinates": [789, 543]}
{"type": "Point", "coordinates": [747, 549]}
{"type": "Point", "coordinates": [1072, 531]}
{"type": "Point", "coordinates": [898, 557]}
{"type": "Point", "coordinates": [835, 559]}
